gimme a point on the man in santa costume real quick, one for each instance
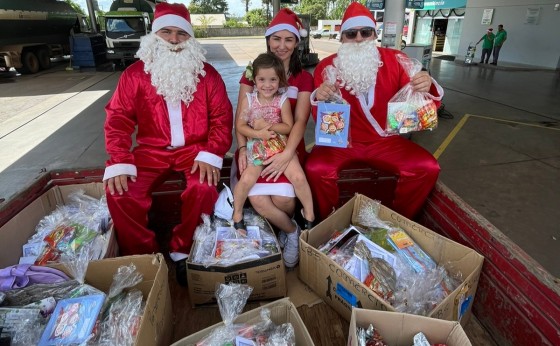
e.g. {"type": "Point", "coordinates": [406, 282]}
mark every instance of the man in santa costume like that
{"type": "Point", "coordinates": [179, 107]}
{"type": "Point", "coordinates": [367, 77]}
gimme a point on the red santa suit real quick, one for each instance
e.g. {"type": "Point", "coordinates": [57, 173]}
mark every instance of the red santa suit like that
{"type": "Point", "coordinates": [169, 138]}
{"type": "Point", "coordinates": [302, 82]}
{"type": "Point", "coordinates": [416, 168]}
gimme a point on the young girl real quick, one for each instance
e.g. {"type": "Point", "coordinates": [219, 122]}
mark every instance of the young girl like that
{"type": "Point", "coordinates": [269, 119]}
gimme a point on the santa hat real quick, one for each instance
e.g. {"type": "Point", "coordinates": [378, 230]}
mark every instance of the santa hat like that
{"type": "Point", "coordinates": [490, 29]}
{"type": "Point", "coordinates": [286, 19]}
{"type": "Point", "coordinates": [172, 15]}
{"type": "Point", "coordinates": [357, 15]}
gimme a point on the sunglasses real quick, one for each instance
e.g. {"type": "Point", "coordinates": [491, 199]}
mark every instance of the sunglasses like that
{"type": "Point", "coordinates": [353, 33]}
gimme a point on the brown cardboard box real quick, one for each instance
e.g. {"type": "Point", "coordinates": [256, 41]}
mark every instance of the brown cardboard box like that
{"type": "Point", "coordinates": [281, 311]}
{"type": "Point", "coordinates": [21, 227]}
{"type": "Point", "coordinates": [398, 329]}
{"type": "Point", "coordinates": [156, 325]}
{"type": "Point", "coordinates": [267, 276]}
{"type": "Point", "coordinates": [342, 291]}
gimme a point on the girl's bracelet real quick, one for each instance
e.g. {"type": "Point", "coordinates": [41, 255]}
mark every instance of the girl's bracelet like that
{"type": "Point", "coordinates": [241, 147]}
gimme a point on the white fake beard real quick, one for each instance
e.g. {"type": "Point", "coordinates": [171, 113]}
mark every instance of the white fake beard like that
{"type": "Point", "coordinates": [174, 68]}
{"type": "Point", "coordinates": [357, 64]}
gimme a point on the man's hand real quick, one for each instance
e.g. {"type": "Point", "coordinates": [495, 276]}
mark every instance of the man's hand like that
{"type": "Point", "coordinates": [118, 183]}
{"type": "Point", "coordinates": [276, 165]}
{"type": "Point", "coordinates": [211, 173]}
{"type": "Point", "coordinates": [421, 82]}
{"type": "Point", "coordinates": [326, 91]}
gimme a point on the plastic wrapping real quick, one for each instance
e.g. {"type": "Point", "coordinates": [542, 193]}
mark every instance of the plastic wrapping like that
{"type": "Point", "coordinates": [330, 76]}
{"type": "Point", "coordinates": [24, 326]}
{"type": "Point", "coordinates": [409, 110]}
{"type": "Point", "coordinates": [217, 243]}
{"type": "Point", "coordinates": [32, 294]}
{"type": "Point", "coordinates": [231, 301]}
{"type": "Point", "coordinates": [122, 311]}
{"type": "Point", "coordinates": [68, 228]}
{"type": "Point", "coordinates": [420, 285]}
{"type": "Point", "coordinates": [122, 322]}
{"type": "Point", "coordinates": [369, 336]}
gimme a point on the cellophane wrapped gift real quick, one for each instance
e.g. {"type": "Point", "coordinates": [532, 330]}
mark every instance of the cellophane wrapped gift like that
{"type": "Point", "coordinates": [411, 110]}
{"type": "Point", "coordinates": [231, 300]}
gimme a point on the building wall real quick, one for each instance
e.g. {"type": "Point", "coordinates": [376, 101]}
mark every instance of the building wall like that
{"type": "Point", "coordinates": [529, 44]}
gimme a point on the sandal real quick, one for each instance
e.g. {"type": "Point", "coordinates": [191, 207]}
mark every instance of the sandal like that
{"type": "Point", "coordinates": [240, 226]}
{"type": "Point", "coordinates": [306, 223]}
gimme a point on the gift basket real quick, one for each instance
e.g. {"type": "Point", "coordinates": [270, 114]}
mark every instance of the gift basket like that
{"type": "Point", "coordinates": [218, 243]}
{"type": "Point", "coordinates": [410, 110]}
{"type": "Point", "coordinates": [231, 300]}
{"type": "Point", "coordinates": [388, 261]}
{"type": "Point", "coordinates": [83, 221]}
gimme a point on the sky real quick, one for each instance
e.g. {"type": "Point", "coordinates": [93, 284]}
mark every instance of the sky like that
{"type": "Point", "coordinates": [236, 7]}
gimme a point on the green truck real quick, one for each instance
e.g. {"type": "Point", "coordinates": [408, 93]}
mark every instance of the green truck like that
{"type": "Point", "coordinates": [34, 31]}
{"type": "Point", "coordinates": [125, 23]}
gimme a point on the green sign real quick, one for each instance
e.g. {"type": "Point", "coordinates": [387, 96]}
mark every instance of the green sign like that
{"type": "Point", "coordinates": [415, 4]}
{"type": "Point", "coordinates": [374, 5]}
{"type": "Point", "coordinates": [443, 4]}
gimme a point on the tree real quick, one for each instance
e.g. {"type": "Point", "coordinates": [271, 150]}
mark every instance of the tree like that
{"type": "Point", "coordinates": [338, 8]}
{"type": "Point", "coordinates": [256, 17]}
{"type": "Point", "coordinates": [247, 3]}
{"type": "Point", "coordinates": [208, 7]}
{"type": "Point", "coordinates": [75, 6]}
{"type": "Point", "coordinates": [317, 9]}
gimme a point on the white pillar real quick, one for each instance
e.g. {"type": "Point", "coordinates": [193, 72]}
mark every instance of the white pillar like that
{"type": "Point", "coordinates": [393, 21]}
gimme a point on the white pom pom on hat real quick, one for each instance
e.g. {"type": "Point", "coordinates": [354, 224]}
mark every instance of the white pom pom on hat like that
{"type": "Point", "coordinates": [286, 19]}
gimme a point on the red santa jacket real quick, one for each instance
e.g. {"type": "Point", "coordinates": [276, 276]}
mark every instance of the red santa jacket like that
{"type": "Point", "coordinates": [207, 120]}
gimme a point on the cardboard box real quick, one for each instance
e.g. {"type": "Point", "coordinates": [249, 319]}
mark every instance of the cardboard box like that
{"type": "Point", "coordinates": [398, 329]}
{"type": "Point", "coordinates": [156, 325]}
{"type": "Point", "coordinates": [342, 291]}
{"type": "Point", "coordinates": [266, 275]}
{"type": "Point", "coordinates": [21, 227]}
{"type": "Point", "coordinates": [281, 311]}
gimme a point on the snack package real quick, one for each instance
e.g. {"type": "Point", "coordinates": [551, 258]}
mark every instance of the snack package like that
{"type": "Point", "coordinates": [408, 110]}
{"type": "Point", "coordinates": [260, 150]}
{"type": "Point", "coordinates": [333, 117]}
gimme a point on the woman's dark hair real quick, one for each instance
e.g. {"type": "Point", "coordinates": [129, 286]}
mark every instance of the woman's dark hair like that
{"type": "Point", "coordinates": [295, 64]}
{"type": "Point", "coordinates": [269, 60]}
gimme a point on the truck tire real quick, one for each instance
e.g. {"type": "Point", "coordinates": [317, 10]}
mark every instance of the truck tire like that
{"type": "Point", "coordinates": [44, 58]}
{"type": "Point", "coordinates": [30, 62]}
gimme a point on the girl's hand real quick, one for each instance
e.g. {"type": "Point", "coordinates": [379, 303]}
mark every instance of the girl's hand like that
{"type": "Point", "coordinates": [276, 165]}
{"type": "Point", "coordinates": [242, 159]}
{"type": "Point", "coordinates": [265, 133]}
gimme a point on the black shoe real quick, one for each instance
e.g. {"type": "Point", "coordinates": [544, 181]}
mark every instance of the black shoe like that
{"type": "Point", "coordinates": [493, 63]}
{"type": "Point", "coordinates": [306, 223]}
{"type": "Point", "coordinates": [181, 272]}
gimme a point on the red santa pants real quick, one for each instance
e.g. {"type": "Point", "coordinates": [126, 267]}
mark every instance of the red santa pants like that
{"type": "Point", "coordinates": [130, 211]}
{"type": "Point", "coordinates": [416, 168]}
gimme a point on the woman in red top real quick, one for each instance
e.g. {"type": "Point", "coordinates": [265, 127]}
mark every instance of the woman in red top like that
{"type": "Point", "coordinates": [273, 196]}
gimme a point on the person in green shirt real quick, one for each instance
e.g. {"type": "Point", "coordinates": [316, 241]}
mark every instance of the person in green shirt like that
{"type": "Point", "coordinates": [501, 37]}
{"type": "Point", "coordinates": [487, 45]}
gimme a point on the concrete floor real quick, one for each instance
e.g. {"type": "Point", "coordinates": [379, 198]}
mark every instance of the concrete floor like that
{"type": "Point", "coordinates": [500, 151]}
